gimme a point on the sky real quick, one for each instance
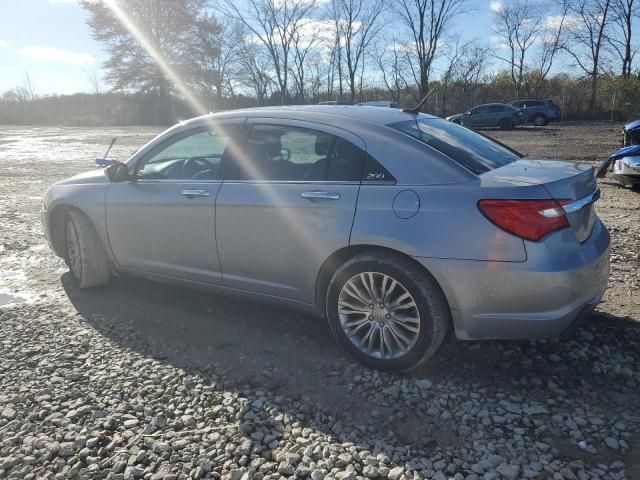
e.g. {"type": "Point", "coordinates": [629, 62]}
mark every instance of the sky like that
{"type": "Point", "coordinates": [51, 41]}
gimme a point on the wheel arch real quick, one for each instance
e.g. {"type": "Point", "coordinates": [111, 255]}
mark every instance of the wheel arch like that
{"type": "Point", "coordinates": [56, 222]}
{"type": "Point", "coordinates": [339, 257]}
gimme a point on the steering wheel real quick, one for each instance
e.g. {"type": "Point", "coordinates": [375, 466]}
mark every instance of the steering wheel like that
{"type": "Point", "coordinates": [194, 165]}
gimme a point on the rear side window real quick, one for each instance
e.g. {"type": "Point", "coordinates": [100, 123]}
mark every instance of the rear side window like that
{"type": "Point", "coordinates": [473, 151]}
{"type": "Point", "coordinates": [287, 153]}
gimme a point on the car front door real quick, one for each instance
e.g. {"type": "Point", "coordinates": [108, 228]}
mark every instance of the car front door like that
{"type": "Point", "coordinates": [291, 205]}
{"type": "Point", "coordinates": [163, 221]}
{"type": "Point", "coordinates": [476, 117]}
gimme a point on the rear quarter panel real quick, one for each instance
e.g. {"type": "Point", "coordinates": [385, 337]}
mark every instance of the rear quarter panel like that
{"type": "Point", "coordinates": [447, 223]}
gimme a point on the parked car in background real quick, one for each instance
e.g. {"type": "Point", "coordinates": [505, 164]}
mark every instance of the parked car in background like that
{"type": "Point", "coordinates": [379, 103]}
{"type": "Point", "coordinates": [626, 160]}
{"type": "Point", "coordinates": [538, 112]}
{"type": "Point", "coordinates": [334, 102]}
{"type": "Point", "coordinates": [490, 115]}
{"type": "Point", "coordinates": [396, 227]}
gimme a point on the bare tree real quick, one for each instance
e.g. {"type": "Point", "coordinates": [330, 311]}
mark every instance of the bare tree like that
{"type": "Point", "coordinates": [587, 39]}
{"type": "Point", "coordinates": [470, 70]}
{"type": "Point", "coordinates": [275, 24]}
{"type": "Point", "coordinates": [212, 53]}
{"type": "Point", "coordinates": [392, 65]}
{"type": "Point", "coordinates": [624, 12]}
{"type": "Point", "coordinates": [253, 68]}
{"type": "Point", "coordinates": [318, 67]}
{"type": "Point", "coordinates": [357, 22]}
{"type": "Point", "coordinates": [553, 38]}
{"type": "Point", "coordinates": [304, 46]}
{"type": "Point", "coordinates": [26, 91]}
{"type": "Point", "coordinates": [427, 21]}
{"type": "Point", "coordinates": [94, 78]}
{"type": "Point", "coordinates": [518, 25]}
{"type": "Point", "coordinates": [455, 54]}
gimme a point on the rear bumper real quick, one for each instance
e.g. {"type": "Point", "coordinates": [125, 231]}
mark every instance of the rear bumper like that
{"type": "Point", "coordinates": [538, 298]}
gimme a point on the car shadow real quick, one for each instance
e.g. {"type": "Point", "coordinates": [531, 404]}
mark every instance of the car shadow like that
{"type": "Point", "coordinates": [284, 353]}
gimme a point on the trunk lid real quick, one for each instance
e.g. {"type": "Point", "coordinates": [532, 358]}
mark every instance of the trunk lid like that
{"type": "Point", "coordinates": [572, 184]}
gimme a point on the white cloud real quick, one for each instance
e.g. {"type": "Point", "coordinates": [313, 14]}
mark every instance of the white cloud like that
{"type": "Point", "coordinates": [497, 41]}
{"type": "Point", "coordinates": [496, 5]}
{"type": "Point", "coordinates": [65, 56]}
{"type": "Point", "coordinates": [4, 44]}
{"type": "Point", "coordinates": [570, 21]}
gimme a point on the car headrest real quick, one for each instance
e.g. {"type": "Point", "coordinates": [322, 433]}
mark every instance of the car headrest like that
{"type": "Point", "coordinates": [323, 143]}
{"type": "Point", "coordinates": [272, 146]}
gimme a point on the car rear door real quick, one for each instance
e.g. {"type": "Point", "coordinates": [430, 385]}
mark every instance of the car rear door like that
{"type": "Point", "coordinates": [163, 223]}
{"type": "Point", "coordinates": [290, 206]}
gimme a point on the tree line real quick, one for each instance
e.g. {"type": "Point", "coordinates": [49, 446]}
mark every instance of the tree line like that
{"type": "Point", "coordinates": [221, 54]}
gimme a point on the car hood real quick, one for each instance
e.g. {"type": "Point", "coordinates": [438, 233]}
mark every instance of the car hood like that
{"type": "Point", "coordinates": [92, 176]}
{"type": "Point", "coordinates": [628, 151]}
{"type": "Point", "coordinates": [634, 125]}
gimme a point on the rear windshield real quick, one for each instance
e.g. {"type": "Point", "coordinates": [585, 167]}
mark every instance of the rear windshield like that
{"type": "Point", "coordinates": [470, 149]}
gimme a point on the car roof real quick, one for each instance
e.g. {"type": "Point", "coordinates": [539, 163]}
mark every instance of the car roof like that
{"type": "Point", "coordinates": [378, 115]}
{"type": "Point", "coordinates": [494, 103]}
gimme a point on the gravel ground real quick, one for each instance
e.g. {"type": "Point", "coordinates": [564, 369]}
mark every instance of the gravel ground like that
{"type": "Point", "coordinates": [143, 380]}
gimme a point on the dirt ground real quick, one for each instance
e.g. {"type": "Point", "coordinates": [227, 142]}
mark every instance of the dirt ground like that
{"type": "Point", "coordinates": [285, 355]}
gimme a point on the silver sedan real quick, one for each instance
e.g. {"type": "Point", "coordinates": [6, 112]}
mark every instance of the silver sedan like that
{"type": "Point", "coordinates": [396, 227]}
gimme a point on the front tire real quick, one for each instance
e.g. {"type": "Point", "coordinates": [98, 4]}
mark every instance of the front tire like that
{"type": "Point", "coordinates": [386, 311]}
{"type": "Point", "coordinates": [540, 120]}
{"type": "Point", "coordinates": [84, 253]}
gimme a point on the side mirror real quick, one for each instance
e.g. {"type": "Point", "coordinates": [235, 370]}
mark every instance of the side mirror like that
{"type": "Point", "coordinates": [118, 172]}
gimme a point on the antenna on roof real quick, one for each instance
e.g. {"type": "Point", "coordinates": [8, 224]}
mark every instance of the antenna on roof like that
{"type": "Point", "coordinates": [415, 110]}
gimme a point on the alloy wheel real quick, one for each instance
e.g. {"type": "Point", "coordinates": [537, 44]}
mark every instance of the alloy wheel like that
{"type": "Point", "coordinates": [378, 315]}
{"type": "Point", "coordinates": [73, 250]}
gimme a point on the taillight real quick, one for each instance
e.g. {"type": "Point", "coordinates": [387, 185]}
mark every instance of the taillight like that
{"type": "Point", "coordinates": [530, 219]}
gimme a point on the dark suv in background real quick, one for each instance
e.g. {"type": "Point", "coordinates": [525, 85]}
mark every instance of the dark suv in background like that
{"type": "Point", "coordinates": [538, 112]}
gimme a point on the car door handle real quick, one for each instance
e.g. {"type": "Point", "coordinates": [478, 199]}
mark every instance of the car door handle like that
{"type": "Point", "coordinates": [195, 193]}
{"type": "Point", "coordinates": [320, 196]}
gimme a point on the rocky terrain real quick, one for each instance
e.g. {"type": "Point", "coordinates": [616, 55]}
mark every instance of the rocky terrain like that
{"type": "Point", "coordinates": [143, 380]}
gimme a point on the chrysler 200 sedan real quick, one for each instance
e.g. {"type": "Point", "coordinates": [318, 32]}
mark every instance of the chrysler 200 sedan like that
{"type": "Point", "coordinates": [396, 227]}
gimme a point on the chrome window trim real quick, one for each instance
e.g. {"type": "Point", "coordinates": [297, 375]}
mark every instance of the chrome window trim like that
{"type": "Point", "coordinates": [581, 202]}
{"type": "Point", "coordinates": [175, 180]}
{"type": "Point", "coordinates": [297, 182]}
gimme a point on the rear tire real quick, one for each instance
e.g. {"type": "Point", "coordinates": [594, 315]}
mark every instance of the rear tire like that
{"type": "Point", "coordinates": [540, 120]}
{"type": "Point", "coordinates": [382, 333]}
{"type": "Point", "coordinates": [84, 253]}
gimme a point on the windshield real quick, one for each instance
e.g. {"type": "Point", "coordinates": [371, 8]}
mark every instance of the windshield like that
{"type": "Point", "coordinates": [470, 149]}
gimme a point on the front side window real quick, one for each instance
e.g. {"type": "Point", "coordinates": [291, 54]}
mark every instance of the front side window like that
{"type": "Point", "coordinates": [286, 153]}
{"type": "Point", "coordinates": [194, 156]}
{"type": "Point", "coordinates": [473, 151]}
